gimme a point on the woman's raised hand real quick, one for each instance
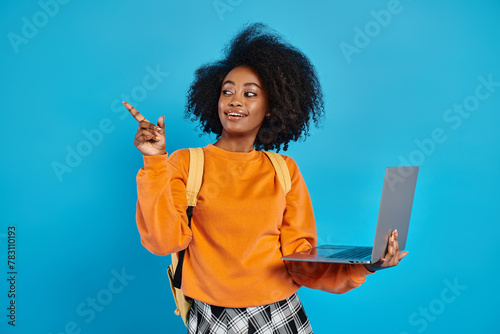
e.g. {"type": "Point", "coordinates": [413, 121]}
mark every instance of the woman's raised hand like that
{"type": "Point", "coordinates": [150, 138]}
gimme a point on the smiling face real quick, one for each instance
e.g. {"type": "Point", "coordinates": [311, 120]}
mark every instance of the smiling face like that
{"type": "Point", "coordinates": [242, 103]}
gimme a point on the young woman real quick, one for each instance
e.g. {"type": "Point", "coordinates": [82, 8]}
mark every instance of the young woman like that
{"type": "Point", "coordinates": [262, 95]}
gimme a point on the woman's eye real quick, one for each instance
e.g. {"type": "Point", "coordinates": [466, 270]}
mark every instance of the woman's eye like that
{"type": "Point", "coordinates": [247, 94]}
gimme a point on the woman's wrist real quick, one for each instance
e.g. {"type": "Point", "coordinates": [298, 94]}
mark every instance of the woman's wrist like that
{"type": "Point", "coordinates": [369, 267]}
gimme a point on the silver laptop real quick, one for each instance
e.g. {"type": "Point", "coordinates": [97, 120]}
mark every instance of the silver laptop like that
{"type": "Point", "coordinates": [394, 213]}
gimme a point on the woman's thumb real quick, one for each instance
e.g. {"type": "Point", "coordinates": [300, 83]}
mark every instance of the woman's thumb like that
{"type": "Point", "coordinates": [161, 122]}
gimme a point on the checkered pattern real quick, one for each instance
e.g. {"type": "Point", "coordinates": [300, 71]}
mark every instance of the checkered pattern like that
{"type": "Point", "coordinates": [283, 317]}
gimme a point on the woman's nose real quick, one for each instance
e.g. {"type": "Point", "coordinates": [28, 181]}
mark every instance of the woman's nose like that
{"type": "Point", "coordinates": [235, 101]}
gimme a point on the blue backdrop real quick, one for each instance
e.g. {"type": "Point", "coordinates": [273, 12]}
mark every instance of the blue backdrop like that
{"type": "Point", "coordinates": [405, 82]}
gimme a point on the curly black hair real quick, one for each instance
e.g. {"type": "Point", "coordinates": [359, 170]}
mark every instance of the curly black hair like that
{"type": "Point", "coordinates": [294, 92]}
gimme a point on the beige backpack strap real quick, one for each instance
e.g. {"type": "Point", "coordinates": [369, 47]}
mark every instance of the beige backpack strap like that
{"type": "Point", "coordinates": [195, 175]}
{"type": "Point", "coordinates": [193, 185]}
{"type": "Point", "coordinates": [281, 170]}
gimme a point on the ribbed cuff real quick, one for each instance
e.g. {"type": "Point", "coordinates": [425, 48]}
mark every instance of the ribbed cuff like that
{"type": "Point", "coordinates": [155, 163]}
{"type": "Point", "coordinates": [360, 271]}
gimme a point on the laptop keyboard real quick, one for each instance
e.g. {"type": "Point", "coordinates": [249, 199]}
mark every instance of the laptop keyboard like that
{"type": "Point", "coordinates": [356, 253]}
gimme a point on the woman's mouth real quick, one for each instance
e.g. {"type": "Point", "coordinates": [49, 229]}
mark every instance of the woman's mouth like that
{"type": "Point", "coordinates": [233, 115]}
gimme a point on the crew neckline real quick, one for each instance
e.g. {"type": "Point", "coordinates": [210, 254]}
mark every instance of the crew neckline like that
{"type": "Point", "coordinates": [239, 156]}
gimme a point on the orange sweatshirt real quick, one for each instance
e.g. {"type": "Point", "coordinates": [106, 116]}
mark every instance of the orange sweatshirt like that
{"type": "Point", "coordinates": [240, 228]}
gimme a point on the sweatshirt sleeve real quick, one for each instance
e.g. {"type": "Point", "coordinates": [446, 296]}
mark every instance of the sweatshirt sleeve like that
{"type": "Point", "coordinates": [161, 204]}
{"type": "Point", "coordinates": [298, 233]}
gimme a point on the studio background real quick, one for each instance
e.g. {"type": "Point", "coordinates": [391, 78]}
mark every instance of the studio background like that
{"type": "Point", "coordinates": [409, 82]}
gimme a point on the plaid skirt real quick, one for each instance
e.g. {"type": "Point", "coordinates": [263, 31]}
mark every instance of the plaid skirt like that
{"type": "Point", "coordinates": [283, 317]}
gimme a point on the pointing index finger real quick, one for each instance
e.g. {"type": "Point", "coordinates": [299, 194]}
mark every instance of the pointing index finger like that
{"type": "Point", "coordinates": [137, 115]}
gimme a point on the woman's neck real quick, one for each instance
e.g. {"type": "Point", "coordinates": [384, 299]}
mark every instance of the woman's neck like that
{"type": "Point", "coordinates": [243, 144]}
